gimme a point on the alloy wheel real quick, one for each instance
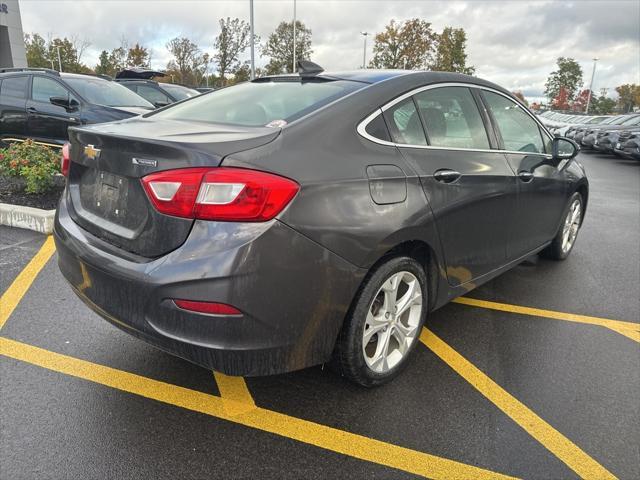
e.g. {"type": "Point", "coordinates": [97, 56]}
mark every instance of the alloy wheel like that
{"type": "Point", "coordinates": [393, 318]}
{"type": "Point", "coordinates": [571, 225]}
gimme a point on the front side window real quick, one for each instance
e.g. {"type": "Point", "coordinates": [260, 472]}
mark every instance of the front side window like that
{"type": "Point", "coordinates": [45, 88]}
{"type": "Point", "coordinates": [260, 103]}
{"type": "Point", "coordinates": [451, 118]}
{"type": "Point", "coordinates": [179, 92]}
{"type": "Point", "coordinates": [520, 132]}
{"type": "Point", "coordinates": [404, 123]}
{"type": "Point", "coordinates": [152, 94]}
{"type": "Point", "coordinates": [15, 87]}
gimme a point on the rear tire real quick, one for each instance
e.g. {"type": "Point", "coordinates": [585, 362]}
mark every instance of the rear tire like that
{"type": "Point", "coordinates": [565, 239]}
{"type": "Point", "coordinates": [384, 323]}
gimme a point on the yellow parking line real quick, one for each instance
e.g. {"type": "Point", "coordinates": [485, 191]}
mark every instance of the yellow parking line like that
{"type": "Point", "coordinates": [12, 296]}
{"type": "Point", "coordinates": [628, 329]}
{"type": "Point", "coordinates": [304, 431]}
{"type": "Point", "coordinates": [563, 448]}
{"type": "Point", "coordinates": [236, 397]}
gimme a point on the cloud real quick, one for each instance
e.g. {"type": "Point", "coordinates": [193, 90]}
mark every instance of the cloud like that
{"type": "Point", "coordinates": [512, 43]}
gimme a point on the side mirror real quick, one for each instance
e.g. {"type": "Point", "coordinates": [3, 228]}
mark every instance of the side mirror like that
{"type": "Point", "coordinates": [65, 103]}
{"type": "Point", "coordinates": [564, 148]}
{"type": "Point", "coordinates": [160, 104]}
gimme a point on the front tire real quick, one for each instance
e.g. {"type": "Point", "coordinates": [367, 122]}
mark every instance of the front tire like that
{"type": "Point", "coordinates": [384, 324]}
{"type": "Point", "coordinates": [565, 239]}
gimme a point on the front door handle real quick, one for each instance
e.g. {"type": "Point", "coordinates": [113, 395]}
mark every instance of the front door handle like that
{"type": "Point", "coordinates": [446, 175]}
{"type": "Point", "coordinates": [525, 176]}
{"type": "Point", "coordinates": [32, 110]}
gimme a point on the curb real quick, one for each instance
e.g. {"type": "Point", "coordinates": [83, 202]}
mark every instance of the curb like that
{"type": "Point", "coordinates": [30, 218]}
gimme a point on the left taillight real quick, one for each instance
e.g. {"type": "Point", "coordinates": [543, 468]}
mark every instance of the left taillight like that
{"type": "Point", "coordinates": [222, 194]}
{"type": "Point", "coordinates": [65, 160]}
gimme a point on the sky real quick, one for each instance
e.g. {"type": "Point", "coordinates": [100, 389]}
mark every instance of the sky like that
{"type": "Point", "coordinates": [512, 43]}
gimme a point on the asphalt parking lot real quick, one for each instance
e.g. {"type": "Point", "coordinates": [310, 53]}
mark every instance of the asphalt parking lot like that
{"type": "Point", "coordinates": [533, 375]}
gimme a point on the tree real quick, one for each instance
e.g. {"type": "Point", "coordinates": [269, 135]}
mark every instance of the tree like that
{"type": "Point", "coordinates": [105, 65]}
{"type": "Point", "coordinates": [37, 51]}
{"type": "Point", "coordinates": [450, 53]}
{"type": "Point", "coordinates": [187, 60]}
{"type": "Point", "coordinates": [137, 56]}
{"type": "Point", "coordinates": [520, 96]}
{"type": "Point", "coordinates": [580, 102]}
{"type": "Point", "coordinates": [567, 76]}
{"type": "Point", "coordinates": [602, 105]}
{"type": "Point", "coordinates": [279, 47]}
{"type": "Point", "coordinates": [561, 101]}
{"type": "Point", "coordinates": [410, 44]}
{"type": "Point", "coordinates": [230, 43]}
{"type": "Point", "coordinates": [628, 96]}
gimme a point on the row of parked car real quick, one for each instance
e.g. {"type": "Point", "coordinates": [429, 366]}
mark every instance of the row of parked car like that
{"type": "Point", "coordinates": [616, 134]}
{"type": "Point", "coordinates": [40, 103]}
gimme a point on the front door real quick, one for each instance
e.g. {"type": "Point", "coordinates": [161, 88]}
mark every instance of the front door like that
{"type": "Point", "coordinates": [542, 188]}
{"type": "Point", "coordinates": [49, 122]}
{"type": "Point", "coordinates": [470, 188]}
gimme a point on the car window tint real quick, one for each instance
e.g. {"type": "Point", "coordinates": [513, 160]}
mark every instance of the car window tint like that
{"type": "Point", "coordinates": [451, 118]}
{"type": "Point", "coordinates": [520, 132]}
{"type": "Point", "coordinates": [405, 124]}
{"type": "Point", "coordinates": [43, 89]}
{"type": "Point", "coordinates": [378, 129]}
{"type": "Point", "coordinates": [151, 94]}
{"type": "Point", "coordinates": [15, 87]}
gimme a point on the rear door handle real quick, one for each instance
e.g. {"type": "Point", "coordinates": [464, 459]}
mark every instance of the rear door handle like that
{"type": "Point", "coordinates": [32, 110]}
{"type": "Point", "coordinates": [525, 176]}
{"type": "Point", "coordinates": [446, 175]}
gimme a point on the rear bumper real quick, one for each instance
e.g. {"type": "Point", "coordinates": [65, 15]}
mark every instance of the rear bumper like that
{"type": "Point", "coordinates": [293, 293]}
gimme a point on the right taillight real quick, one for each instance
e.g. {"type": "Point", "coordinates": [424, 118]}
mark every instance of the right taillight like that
{"type": "Point", "coordinates": [65, 160]}
{"type": "Point", "coordinates": [222, 194]}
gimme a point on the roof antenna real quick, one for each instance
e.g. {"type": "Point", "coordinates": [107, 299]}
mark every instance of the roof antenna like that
{"type": "Point", "coordinates": [307, 68]}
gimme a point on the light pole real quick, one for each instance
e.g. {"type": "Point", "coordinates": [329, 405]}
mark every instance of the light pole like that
{"type": "Point", "coordinates": [364, 51]}
{"type": "Point", "coordinates": [253, 64]}
{"type": "Point", "coordinates": [593, 74]}
{"type": "Point", "coordinates": [294, 36]}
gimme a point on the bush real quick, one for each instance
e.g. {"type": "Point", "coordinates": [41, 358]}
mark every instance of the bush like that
{"type": "Point", "coordinates": [35, 163]}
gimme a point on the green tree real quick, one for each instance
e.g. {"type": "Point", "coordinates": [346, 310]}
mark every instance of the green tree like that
{"type": "Point", "coordinates": [410, 44]}
{"type": "Point", "coordinates": [231, 42]}
{"type": "Point", "coordinates": [187, 61]}
{"type": "Point", "coordinates": [450, 53]}
{"type": "Point", "coordinates": [628, 96]}
{"type": "Point", "coordinates": [137, 56]}
{"type": "Point", "coordinates": [279, 47]}
{"type": "Point", "coordinates": [602, 105]}
{"type": "Point", "coordinates": [567, 76]}
{"type": "Point", "coordinates": [37, 51]}
{"type": "Point", "coordinates": [105, 65]}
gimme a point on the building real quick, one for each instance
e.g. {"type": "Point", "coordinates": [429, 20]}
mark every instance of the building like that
{"type": "Point", "coordinates": [12, 52]}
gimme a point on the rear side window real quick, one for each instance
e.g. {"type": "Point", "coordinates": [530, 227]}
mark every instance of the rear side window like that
{"type": "Point", "coordinates": [452, 118]}
{"type": "Point", "coordinates": [378, 129]}
{"type": "Point", "coordinates": [520, 132]}
{"type": "Point", "coordinates": [15, 87]}
{"type": "Point", "coordinates": [43, 89]}
{"type": "Point", "coordinates": [261, 103]}
{"type": "Point", "coordinates": [151, 94]}
{"type": "Point", "coordinates": [404, 123]}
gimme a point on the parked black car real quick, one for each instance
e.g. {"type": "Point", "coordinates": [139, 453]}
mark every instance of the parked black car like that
{"type": "Point", "coordinates": [41, 103]}
{"type": "Point", "coordinates": [291, 220]}
{"type": "Point", "coordinates": [139, 80]}
{"type": "Point", "coordinates": [628, 144]}
{"type": "Point", "coordinates": [607, 138]}
{"type": "Point", "coordinates": [621, 121]}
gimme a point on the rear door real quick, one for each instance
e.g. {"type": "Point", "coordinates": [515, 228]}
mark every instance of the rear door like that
{"type": "Point", "coordinates": [49, 122]}
{"type": "Point", "coordinates": [470, 188]}
{"type": "Point", "coordinates": [13, 113]}
{"type": "Point", "coordinates": [541, 183]}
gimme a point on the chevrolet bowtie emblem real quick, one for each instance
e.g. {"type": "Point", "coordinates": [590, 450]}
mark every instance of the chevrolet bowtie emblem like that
{"type": "Point", "coordinates": [91, 152]}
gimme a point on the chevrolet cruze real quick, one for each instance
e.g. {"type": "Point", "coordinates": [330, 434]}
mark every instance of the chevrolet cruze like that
{"type": "Point", "coordinates": [311, 218]}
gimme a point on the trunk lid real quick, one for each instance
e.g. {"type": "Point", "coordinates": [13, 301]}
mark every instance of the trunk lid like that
{"type": "Point", "coordinates": [104, 191]}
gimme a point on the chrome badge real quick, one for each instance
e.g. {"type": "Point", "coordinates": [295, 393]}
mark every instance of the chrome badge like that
{"type": "Point", "coordinates": [92, 152]}
{"type": "Point", "coordinates": [144, 162]}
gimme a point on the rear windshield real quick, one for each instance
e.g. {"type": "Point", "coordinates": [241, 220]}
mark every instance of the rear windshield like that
{"type": "Point", "coordinates": [180, 92]}
{"type": "Point", "coordinates": [104, 92]}
{"type": "Point", "coordinates": [253, 104]}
